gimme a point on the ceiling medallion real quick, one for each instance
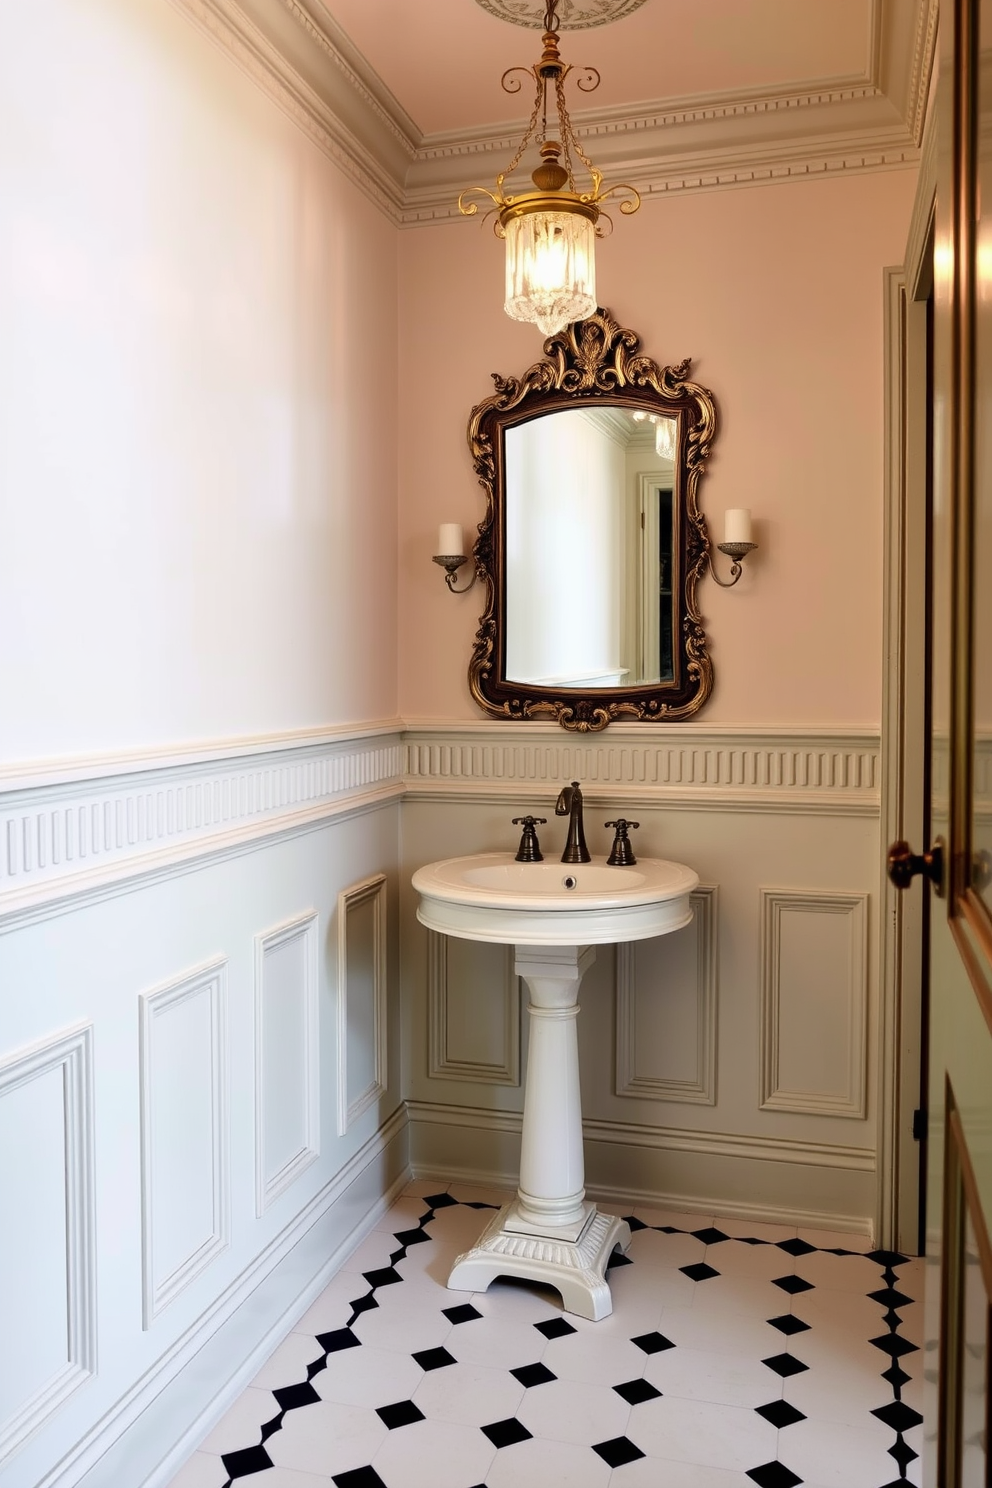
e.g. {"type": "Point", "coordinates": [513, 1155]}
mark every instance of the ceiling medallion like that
{"type": "Point", "coordinates": [576, 15]}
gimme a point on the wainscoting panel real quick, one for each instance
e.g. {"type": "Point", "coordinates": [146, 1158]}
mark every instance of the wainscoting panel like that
{"type": "Point", "coordinates": [185, 1164]}
{"type": "Point", "coordinates": [666, 1011]}
{"type": "Point", "coordinates": [287, 1085]}
{"type": "Point", "coordinates": [473, 1011]}
{"type": "Point", "coordinates": [47, 1250]}
{"type": "Point", "coordinates": [362, 991]}
{"type": "Point", "coordinates": [814, 1002]}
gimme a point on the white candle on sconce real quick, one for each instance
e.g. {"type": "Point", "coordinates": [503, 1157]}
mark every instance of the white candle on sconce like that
{"type": "Point", "coordinates": [737, 525]}
{"type": "Point", "coordinates": [450, 542]}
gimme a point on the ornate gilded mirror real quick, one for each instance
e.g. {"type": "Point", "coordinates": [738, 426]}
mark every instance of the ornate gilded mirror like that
{"type": "Point", "coordinates": [593, 543]}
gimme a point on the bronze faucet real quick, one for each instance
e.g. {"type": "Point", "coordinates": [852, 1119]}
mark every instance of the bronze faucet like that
{"type": "Point", "coordinates": [569, 804]}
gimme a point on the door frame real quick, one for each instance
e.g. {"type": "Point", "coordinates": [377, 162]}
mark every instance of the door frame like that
{"type": "Point", "coordinates": [903, 741]}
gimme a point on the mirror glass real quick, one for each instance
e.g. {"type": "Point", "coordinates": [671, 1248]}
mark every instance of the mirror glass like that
{"type": "Point", "coordinates": [589, 542]}
{"type": "Point", "coordinates": [593, 543]}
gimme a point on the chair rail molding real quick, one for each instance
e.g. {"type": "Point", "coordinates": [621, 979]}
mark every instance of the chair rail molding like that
{"type": "Point", "coordinates": [701, 769]}
{"type": "Point", "coordinates": [83, 831]}
{"type": "Point", "coordinates": [69, 1057]}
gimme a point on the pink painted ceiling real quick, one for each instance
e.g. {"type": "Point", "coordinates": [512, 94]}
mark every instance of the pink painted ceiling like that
{"type": "Point", "coordinates": [443, 59]}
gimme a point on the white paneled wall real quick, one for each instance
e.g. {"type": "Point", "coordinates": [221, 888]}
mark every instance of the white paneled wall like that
{"type": "Point", "coordinates": [175, 1042]}
{"type": "Point", "coordinates": [725, 1068]}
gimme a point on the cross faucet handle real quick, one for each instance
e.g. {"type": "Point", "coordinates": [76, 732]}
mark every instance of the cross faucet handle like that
{"type": "Point", "coordinates": [529, 850]}
{"type": "Point", "coordinates": [622, 852]}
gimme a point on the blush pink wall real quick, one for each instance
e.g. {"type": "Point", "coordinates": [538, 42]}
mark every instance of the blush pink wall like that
{"type": "Point", "coordinates": [776, 294]}
{"type": "Point", "coordinates": [197, 400]}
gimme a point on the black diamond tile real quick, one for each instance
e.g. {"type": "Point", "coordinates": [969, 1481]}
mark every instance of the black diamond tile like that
{"type": "Point", "coordinates": [271, 1427]}
{"type": "Point", "coordinates": [341, 1338]}
{"type": "Point", "coordinates": [653, 1343]}
{"type": "Point", "coordinates": [635, 1224]}
{"type": "Point", "coordinates": [618, 1451]}
{"type": "Point", "coordinates": [795, 1246]}
{"type": "Point", "coordinates": [698, 1272]}
{"type": "Point", "coordinates": [465, 1313]}
{"type": "Point", "coordinates": [899, 1482]}
{"type": "Point", "coordinates": [789, 1324]}
{"type": "Point", "coordinates": [440, 1201]}
{"type": "Point", "coordinates": [554, 1328]}
{"type": "Point", "coordinates": [780, 1413]}
{"type": "Point", "coordinates": [793, 1284]}
{"type": "Point", "coordinates": [710, 1236]}
{"type": "Point", "coordinates": [893, 1345]}
{"type": "Point", "coordinates": [898, 1415]}
{"type": "Point", "coordinates": [505, 1433]}
{"type": "Point", "coordinates": [358, 1477]}
{"type": "Point", "coordinates": [896, 1376]}
{"type": "Point", "coordinates": [888, 1296]}
{"type": "Point", "coordinates": [435, 1358]}
{"type": "Point", "coordinates": [886, 1258]}
{"type": "Point", "coordinates": [385, 1276]}
{"type": "Point", "coordinates": [364, 1304]}
{"type": "Point", "coordinates": [291, 1397]}
{"type": "Point", "coordinates": [785, 1364]}
{"type": "Point", "coordinates": [773, 1475]}
{"type": "Point", "coordinates": [533, 1374]}
{"type": "Point", "coordinates": [903, 1453]}
{"type": "Point", "coordinates": [617, 1258]}
{"type": "Point", "coordinates": [403, 1413]}
{"type": "Point", "coordinates": [250, 1460]}
{"type": "Point", "coordinates": [635, 1392]}
{"type": "Point", "coordinates": [412, 1237]}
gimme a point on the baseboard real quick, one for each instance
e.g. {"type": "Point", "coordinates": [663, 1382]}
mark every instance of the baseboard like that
{"type": "Point", "coordinates": [627, 1200]}
{"type": "Point", "coordinates": [150, 1432]}
{"type": "Point", "coordinates": [764, 1179]}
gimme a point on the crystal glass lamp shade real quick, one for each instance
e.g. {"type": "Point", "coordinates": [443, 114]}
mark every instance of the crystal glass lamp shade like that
{"type": "Point", "coordinates": [550, 268]}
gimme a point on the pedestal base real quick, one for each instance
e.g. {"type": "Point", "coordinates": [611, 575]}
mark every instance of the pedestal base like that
{"type": "Point", "coordinates": [576, 1269]}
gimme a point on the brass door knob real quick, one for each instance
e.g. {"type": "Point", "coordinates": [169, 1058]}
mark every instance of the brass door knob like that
{"type": "Point", "coordinates": [903, 864]}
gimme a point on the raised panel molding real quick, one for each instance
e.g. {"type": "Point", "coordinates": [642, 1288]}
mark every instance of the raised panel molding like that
{"type": "Point", "coordinates": [287, 1054]}
{"type": "Point", "coordinates": [700, 1087]}
{"type": "Point", "coordinates": [74, 836]}
{"type": "Point", "coordinates": [443, 1063]}
{"type": "Point", "coordinates": [716, 769]}
{"type": "Point", "coordinates": [836, 1030]}
{"type": "Point", "coordinates": [69, 1055]}
{"type": "Point", "coordinates": [369, 893]}
{"type": "Point", "coordinates": [167, 1079]}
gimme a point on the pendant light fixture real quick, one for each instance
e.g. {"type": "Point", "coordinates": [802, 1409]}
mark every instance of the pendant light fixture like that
{"type": "Point", "coordinates": [551, 232]}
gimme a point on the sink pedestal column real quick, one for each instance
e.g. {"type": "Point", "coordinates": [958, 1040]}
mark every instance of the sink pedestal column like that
{"type": "Point", "coordinates": [550, 1232]}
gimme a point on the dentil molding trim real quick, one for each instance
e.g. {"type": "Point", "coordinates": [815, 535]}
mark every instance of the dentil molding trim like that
{"type": "Point", "coordinates": [695, 768]}
{"type": "Point", "coordinates": [296, 52]}
{"type": "Point", "coordinates": [85, 833]}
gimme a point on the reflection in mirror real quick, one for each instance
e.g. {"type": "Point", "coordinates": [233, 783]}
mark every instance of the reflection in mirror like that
{"type": "Point", "coordinates": [593, 543]}
{"type": "Point", "coordinates": [589, 545]}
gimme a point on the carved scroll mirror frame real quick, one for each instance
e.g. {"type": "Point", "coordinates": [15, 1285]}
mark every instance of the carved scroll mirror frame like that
{"type": "Point", "coordinates": [594, 361]}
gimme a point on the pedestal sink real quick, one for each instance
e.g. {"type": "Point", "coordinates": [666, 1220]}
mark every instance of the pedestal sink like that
{"type": "Point", "coordinates": [554, 914]}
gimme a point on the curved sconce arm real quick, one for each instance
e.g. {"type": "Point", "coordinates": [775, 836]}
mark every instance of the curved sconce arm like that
{"type": "Point", "coordinates": [738, 551]}
{"type": "Point", "coordinates": [451, 563]}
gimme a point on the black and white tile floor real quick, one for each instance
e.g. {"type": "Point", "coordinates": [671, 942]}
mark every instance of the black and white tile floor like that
{"type": "Point", "coordinates": [736, 1354]}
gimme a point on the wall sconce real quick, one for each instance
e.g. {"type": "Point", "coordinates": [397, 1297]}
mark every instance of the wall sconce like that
{"type": "Point", "coordinates": [736, 544]}
{"type": "Point", "coordinates": [451, 555]}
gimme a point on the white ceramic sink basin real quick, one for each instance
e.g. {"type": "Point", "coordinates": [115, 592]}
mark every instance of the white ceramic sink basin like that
{"type": "Point", "coordinates": [490, 896]}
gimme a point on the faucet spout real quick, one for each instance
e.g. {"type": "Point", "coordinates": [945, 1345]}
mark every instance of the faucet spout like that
{"type": "Point", "coordinates": [569, 804]}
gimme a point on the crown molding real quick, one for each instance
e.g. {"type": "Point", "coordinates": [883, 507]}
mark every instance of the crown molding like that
{"type": "Point", "coordinates": [298, 54]}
